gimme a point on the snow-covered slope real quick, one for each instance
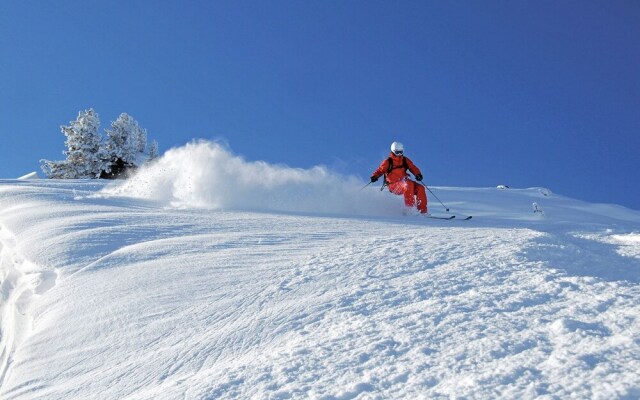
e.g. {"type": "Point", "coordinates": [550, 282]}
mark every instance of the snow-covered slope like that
{"type": "Point", "coordinates": [206, 284]}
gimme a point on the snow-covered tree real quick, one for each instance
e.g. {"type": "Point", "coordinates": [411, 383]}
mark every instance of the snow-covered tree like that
{"type": "Point", "coordinates": [125, 141]}
{"type": "Point", "coordinates": [122, 140]}
{"type": "Point", "coordinates": [89, 157]}
{"type": "Point", "coordinates": [142, 139]}
{"type": "Point", "coordinates": [153, 151]}
{"type": "Point", "coordinates": [58, 169]}
{"type": "Point", "coordinates": [84, 153]}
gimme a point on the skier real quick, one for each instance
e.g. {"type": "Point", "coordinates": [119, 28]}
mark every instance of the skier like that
{"type": "Point", "coordinates": [396, 178]}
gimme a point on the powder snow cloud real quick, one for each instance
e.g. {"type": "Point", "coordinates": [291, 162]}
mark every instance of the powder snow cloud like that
{"type": "Point", "coordinates": [205, 174]}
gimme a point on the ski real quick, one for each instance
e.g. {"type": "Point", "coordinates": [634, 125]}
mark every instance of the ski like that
{"type": "Point", "coordinates": [438, 217]}
{"type": "Point", "coordinates": [448, 217]}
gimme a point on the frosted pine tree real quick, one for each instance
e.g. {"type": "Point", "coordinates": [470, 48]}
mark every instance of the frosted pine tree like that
{"type": "Point", "coordinates": [84, 158]}
{"type": "Point", "coordinates": [83, 144]}
{"type": "Point", "coordinates": [142, 139]}
{"type": "Point", "coordinates": [121, 143]}
{"type": "Point", "coordinates": [153, 151]}
{"type": "Point", "coordinates": [125, 140]}
{"type": "Point", "coordinates": [58, 169]}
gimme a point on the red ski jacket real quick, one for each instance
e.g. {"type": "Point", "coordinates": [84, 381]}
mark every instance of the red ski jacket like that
{"type": "Point", "coordinates": [397, 171]}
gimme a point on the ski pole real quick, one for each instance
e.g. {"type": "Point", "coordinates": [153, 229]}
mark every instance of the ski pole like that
{"type": "Point", "coordinates": [434, 195]}
{"type": "Point", "coordinates": [365, 186]}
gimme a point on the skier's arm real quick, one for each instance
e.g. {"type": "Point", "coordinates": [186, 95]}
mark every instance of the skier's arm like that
{"type": "Point", "coordinates": [384, 166]}
{"type": "Point", "coordinates": [413, 169]}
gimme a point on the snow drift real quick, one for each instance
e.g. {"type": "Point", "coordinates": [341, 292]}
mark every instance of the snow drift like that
{"type": "Point", "coordinates": [207, 175]}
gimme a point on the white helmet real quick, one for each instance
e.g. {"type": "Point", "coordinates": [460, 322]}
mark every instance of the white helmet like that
{"type": "Point", "coordinates": [397, 148]}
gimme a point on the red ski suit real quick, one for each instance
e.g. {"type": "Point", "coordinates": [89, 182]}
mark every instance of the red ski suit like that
{"type": "Point", "coordinates": [399, 183]}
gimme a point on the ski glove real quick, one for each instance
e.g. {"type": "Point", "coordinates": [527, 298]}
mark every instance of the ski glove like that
{"type": "Point", "coordinates": [419, 177]}
{"type": "Point", "coordinates": [373, 179]}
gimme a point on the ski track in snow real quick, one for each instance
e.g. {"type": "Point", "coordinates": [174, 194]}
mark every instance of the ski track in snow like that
{"type": "Point", "coordinates": [127, 299]}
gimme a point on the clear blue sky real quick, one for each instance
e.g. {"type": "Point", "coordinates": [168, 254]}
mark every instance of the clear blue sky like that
{"type": "Point", "coordinates": [523, 93]}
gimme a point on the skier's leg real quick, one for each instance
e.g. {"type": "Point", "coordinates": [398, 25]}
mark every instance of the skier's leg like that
{"type": "Point", "coordinates": [409, 194]}
{"type": "Point", "coordinates": [404, 188]}
{"type": "Point", "coordinates": [421, 194]}
{"type": "Point", "coordinates": [397, 187]}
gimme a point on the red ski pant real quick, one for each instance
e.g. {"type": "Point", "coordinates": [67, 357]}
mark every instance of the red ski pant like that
{"type": "Point", "coordinates": [411, 191]}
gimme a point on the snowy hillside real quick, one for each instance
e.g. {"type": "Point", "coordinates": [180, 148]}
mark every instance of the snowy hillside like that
{"type": "Point", "coordinates": [210, 277]}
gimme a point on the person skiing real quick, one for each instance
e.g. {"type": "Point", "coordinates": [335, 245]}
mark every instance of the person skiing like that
{"type": "Point", "coordinates": [396, 178]}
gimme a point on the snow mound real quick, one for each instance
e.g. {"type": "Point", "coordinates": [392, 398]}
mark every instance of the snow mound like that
{"type": "Point", "coordinates": [207, 175]}
{"type": "Point", "coordinates": [31, 175]}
